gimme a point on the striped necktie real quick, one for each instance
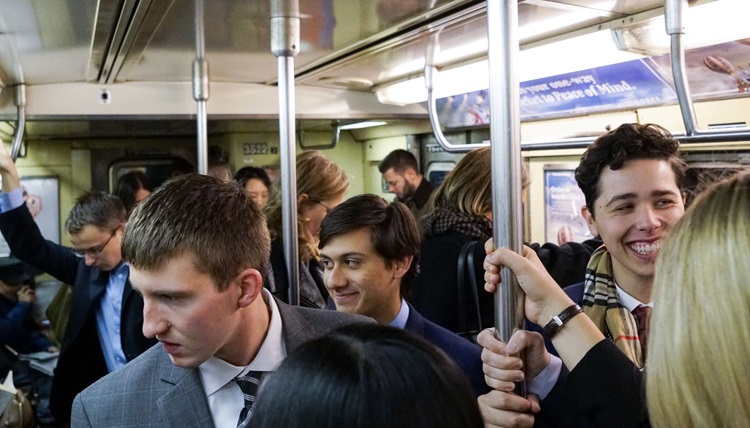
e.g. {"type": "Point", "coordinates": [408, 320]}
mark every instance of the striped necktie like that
{"type": "Point", "coordinates": [248, 383]}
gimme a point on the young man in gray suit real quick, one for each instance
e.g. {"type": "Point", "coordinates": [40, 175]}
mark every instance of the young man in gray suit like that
{"type": "Point", "coordinates": [196, 247]}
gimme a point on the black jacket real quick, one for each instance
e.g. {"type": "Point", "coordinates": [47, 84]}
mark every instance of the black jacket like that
{"type": "Point", "coordinates": [277, 280]}
{"type": "Point", "coordinates": [605, 389]}
{"type": "Point", "coordinates": [81, 361]}
{"type": "Point", "coordinates": [435, 293]}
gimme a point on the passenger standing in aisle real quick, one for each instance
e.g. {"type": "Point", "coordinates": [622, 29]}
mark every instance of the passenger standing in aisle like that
{"type": "Point", "coordinates": [132, 188]}
{"type": "Point", "coordinates": [698, 346]}
{"type": "Point", "coordinates": [631, 178]}
{"type": "Point", "coordinates": [462, 222]}
{"type": "Point", "coordinates": [370, 250]}
{"type": "Point", "coordinates": [401, 173]}
{"type": "Point", "coordinates": [256, 183]}
{"type": "Point", "coordinates": [104, 329]}
{"type": "Point", "coordinates": [321, 185]}
{"type": "Point", "coordinates": [197, 246]}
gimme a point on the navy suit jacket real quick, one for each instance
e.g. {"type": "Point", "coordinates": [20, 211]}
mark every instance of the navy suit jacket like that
{"type": "Point", "coordinates": [465, 354]}
{"type": "Point", "coordinates": [81, 360]}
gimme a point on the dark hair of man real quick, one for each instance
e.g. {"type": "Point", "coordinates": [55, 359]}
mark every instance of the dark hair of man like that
{"type": "Point", "coordinates": [214, 221]}
{"type": "Point", "coordinates": [630, 141]}
{"type": "Point", "coordinates": [128, 185]}
{"type": "Point", "coordinates": [180, 166]}
{"type": "Point", "coordinates": [366, 376]}
{"type": "Point", "coordinates": [400, 160]}
{"type": "Point", "coordinates": [94, 208]}
{"type": "Point", "coordinates": [250, 172]}
{"type": "Point", "coordinates": [393, 230]}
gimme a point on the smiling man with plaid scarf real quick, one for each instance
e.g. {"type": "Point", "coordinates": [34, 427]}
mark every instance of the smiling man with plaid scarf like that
{"type": "Point", "coordinates": [631, 178]}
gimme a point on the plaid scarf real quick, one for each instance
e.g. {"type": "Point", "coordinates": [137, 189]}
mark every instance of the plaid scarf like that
{"type": "Point", "coordinates": [600, 303]}
{"type": "Point", "coordinates": [444, 220]}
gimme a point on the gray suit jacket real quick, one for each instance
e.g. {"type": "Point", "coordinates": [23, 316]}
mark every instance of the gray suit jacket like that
{"type": "Point", "coordinates": [150, 391]}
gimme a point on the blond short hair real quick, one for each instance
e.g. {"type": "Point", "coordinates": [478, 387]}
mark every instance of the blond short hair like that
{"type": "Point", "coordinates": [699, 341]}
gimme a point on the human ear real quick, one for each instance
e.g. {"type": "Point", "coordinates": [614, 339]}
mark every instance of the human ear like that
{"type": "Point", "coordinates": [251, 283]}
{"type": "Point", "coordinates": [589, 217]}
{"type": "Point", "coordinates": [401, 266]}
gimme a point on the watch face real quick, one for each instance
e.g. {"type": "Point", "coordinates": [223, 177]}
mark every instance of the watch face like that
{"type": "Point", "coordinates": [553, 325]}
{"type": "Point", "coordinates": [558, 320]}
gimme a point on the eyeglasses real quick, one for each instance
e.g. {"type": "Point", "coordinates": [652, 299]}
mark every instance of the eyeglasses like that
{"type": "Point", "coordinates": [93, 251]}
{"type": "Point", "coordinates": [324, 206]}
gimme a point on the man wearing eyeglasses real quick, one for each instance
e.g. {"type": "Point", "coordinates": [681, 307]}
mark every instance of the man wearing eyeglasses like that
{"type": "Point", "coordinates": [104, 329]}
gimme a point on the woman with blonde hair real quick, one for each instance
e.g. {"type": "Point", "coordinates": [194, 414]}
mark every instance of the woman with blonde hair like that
{"type": "Point", "coordinates": [321, 186]}
{"type": "Point", "coordinates": [463, 214]}
{"type": "Point", "coordinates": [699, 342]}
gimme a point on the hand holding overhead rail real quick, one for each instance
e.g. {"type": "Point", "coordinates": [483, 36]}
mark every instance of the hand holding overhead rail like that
{"type": "Point", "coordinates": [21, 123]}
{"type": "Point", "coordinates": [544, 301]}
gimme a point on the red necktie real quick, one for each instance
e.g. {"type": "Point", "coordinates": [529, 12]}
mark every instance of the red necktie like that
{"type": "Point", "coordinates": [641, 314]}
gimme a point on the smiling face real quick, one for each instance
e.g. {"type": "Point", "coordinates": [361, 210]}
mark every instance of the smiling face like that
{"type": "Point", "coordinates": [637, 205]}
{"type": "Point", "coordinates": [186, 312]}
{"type": "Point", "coordinates": [359, 280]}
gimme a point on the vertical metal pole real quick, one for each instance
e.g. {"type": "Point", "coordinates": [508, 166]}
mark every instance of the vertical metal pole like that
{"type": "Point", "coordinates": [674, 12]}
{"type": "Point", "coordinates": [200, 88]}
{"type": "Point", "coordinates": [505, 135]}
{"type": "Point", "coordinates": [15, 148]}
{"type": "Point", "coordinates": [285, 22]}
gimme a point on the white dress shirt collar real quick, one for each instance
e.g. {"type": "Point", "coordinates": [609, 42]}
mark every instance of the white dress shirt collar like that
{"type": "Point", "coordinates": [224, 396]}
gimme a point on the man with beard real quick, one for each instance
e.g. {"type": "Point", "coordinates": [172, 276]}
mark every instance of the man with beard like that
{"type": "Point", "coordinates": [401, 173]}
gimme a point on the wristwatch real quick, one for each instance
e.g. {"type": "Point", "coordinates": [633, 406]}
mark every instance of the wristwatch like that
{"type": "Point", "coordinates": [555, 324]}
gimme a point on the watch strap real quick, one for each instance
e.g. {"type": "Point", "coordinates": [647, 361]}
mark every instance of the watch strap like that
{"type": "Point", "coordinates": [555, 324]}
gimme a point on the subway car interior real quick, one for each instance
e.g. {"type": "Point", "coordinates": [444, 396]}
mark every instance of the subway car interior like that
{"type": "Point", "coordinates": [94, 89]}
{"type": "Point", "coordinates": [91, 90]}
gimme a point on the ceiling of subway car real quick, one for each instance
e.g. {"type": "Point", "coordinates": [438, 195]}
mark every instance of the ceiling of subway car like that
{"type": "Point", "coordinates": [345, 44]}
{"type": "Point", "coordinates": [115, 41]}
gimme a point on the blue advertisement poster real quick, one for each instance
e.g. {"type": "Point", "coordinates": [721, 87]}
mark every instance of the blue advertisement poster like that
{"type": "Point", "coordinates": [719, 71]}
{"type": "Point", "coordinates": [612, 87]}
{"type": "Point", "coordinates": [562, 208]}
{"type": "Point", "coordinates": [617, 86]}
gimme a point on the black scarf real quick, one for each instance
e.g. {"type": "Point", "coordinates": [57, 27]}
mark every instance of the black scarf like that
{"type": "Point", "coordinates": [445, 220]}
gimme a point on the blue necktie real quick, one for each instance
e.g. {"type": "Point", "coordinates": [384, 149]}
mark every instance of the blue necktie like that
{"type": "Point", "coordinates": [248, 383]}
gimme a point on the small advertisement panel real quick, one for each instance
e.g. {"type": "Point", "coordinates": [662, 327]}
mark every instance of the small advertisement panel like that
{"type": "Point", "coordinates": [562, 206]}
